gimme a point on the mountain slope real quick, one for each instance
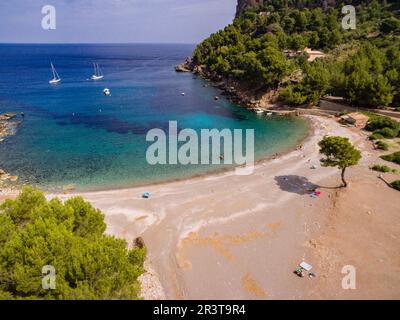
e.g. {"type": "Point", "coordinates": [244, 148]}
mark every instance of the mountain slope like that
{"type": "Point", "coordinates": [262, 52]}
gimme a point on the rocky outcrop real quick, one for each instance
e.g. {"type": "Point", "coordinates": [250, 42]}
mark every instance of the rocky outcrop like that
{"type": "Point", "coordinates": [4, 176]}
{"type": "Point", "coordinates": [7, 127]}
{"type": "Point", "coordinates": [244, 5]}
{"type": "Point", "coordinates": [3, 129]}
{"type": "Point", "coordinates": [7, 116]}
{"type": "Point", "coordinates": [186, 66]}
{"type": "Point", "coordinates": [181, 68]}
{"type": "Point", "coordinates": [233, 90]}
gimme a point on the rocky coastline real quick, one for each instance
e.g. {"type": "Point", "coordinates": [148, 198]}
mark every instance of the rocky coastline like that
{"type": "Point", "coordinates": [7, 128]}
{"type": "Point", "coordinates": [234, 91]}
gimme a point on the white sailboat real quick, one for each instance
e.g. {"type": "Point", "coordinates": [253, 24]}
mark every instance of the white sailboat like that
{"type": "Point", "coordinates": [98, 75]}
{"type": "Point", "coordinates": [56, 78]}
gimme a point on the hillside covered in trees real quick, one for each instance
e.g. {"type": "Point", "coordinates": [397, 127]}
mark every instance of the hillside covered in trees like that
{"type": "Point", "coordinates": [263, 50]}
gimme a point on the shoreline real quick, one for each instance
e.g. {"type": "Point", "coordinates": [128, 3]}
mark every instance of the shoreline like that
{"type": "Point", "coordinates": [215, 172]}
{"type": "Point", "coordinates": [223, 236]}
{"type": "Point", "coordinates": [151, 286]}
{"type": "Point", "coordinates": [230, 237]}
{"type": "Point", "coordinates": [119, 207]}
{"type": "Point", "coordinates": [212, 173]}
{"type": "Point", "coordinates": [151, 280]}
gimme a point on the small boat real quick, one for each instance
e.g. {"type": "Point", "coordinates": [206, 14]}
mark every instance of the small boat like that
{"type": "Point", "coordinates": [269, 114]}
{"type": "Point", "coordinates": [107, 92]}
{"type": "Point", "coordinates": [56, 78]}
{"type": "Point", "coordinates": [98, 75]}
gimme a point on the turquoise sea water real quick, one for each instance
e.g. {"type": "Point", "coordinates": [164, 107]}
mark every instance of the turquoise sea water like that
{"type": "Point", "coordinates": [73, 134]}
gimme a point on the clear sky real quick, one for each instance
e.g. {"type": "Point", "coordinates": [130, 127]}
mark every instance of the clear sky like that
{"type": "Point", "coordinates": [120, 21]}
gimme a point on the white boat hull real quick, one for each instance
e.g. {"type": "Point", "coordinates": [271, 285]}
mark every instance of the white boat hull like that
{"type": "Point", "coordinates": [97, 78]}
{"type": "Point", "coordinates": [55, 81]}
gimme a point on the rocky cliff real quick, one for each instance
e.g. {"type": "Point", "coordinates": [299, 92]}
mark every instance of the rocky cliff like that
{"type": "Point", "coordinates": [244, 5]}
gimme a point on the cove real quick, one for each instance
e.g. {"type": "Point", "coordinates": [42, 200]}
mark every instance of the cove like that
{"type": "Point", "coordinates": [73, 134]}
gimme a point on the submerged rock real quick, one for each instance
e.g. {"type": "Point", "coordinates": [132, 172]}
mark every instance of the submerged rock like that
{"type": "Point", "coordinates": [69, 188]}
{"type": "Point", "coordinates": [8, 128]}
{"type": "Point", "coordinates": [13, 178]}
{"type": "Point", "coordinates": [3, 129]}
{"type": "Point", "coordinates": [4, 176]}
{"type": "Point", "coordinates": [7, 116]}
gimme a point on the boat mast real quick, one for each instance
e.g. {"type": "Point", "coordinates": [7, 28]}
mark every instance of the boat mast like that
{"type": "Point", "coordinates": [99, 70]}
{"type": "Point", "coordinates": [53, 70]}
{"type": "Point", "coordinates": [56, 74]}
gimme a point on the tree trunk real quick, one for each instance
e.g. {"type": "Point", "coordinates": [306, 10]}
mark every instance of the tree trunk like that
{"type": "Point", "coordinates": [344, 181]}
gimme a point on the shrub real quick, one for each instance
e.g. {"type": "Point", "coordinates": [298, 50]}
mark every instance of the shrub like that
{"type": "Point", "coordinates": [382, 145]}
{"type": "Point", "coordinates": [396, 185]}
{"type": "Point", "coordinates": [394, 157]}
{"type": "Point", "coordinates": [380, 168]}
{"type": "Point", "coordinates": [381, 122]}
{"type": "Point", "coordinates": [293, 96]}
{"type": "Point", "coordinates": [390, 24]}
{"type": "Point", "coordinates": [387, 132]}
{"type": "Point", "coordinates": [376, 136]}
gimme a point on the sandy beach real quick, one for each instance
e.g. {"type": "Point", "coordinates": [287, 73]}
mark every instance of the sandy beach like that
{"type": "Point", "coordinates": [139, 120]}
{"type": "Point", "coordinates": [225, 236]}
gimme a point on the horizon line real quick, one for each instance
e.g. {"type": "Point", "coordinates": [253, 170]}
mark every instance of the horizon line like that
{"type": "Point", "coordinates": [100, 43]}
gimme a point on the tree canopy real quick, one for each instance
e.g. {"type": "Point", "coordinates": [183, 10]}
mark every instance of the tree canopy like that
{"type": "Point", "coordinates": [70, 237]}
{"type": "Point", "coordinates": [340, 153]}
{"type": "Point", "coordinates": [362, 65]}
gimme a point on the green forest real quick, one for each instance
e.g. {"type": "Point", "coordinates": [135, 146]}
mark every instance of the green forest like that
{"type": "Point", "coordinates": [70, 237]}
{"type": "Point", "coordinates": [263, 48]}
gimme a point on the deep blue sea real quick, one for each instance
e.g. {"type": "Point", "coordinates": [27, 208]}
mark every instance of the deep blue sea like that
{"type": "Point", "coordinates": [73, 134]}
